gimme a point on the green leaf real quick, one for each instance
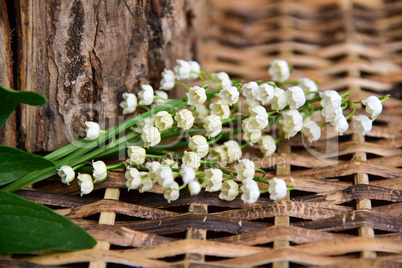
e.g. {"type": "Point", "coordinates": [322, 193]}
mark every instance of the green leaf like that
{"type": "Point", "coordinates": [10, 98]}
{"type": "Point", "coordinates": [15, 163]}
{"type": "Point", "coordinates": [27, 227]}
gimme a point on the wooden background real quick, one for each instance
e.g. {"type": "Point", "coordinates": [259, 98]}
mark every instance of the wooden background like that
{"type": "Point", "coordinates": [82, 55]}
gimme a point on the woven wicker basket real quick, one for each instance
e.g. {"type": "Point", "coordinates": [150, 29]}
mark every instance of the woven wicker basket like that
{"type": "Point", "coordinates": [346, 210]}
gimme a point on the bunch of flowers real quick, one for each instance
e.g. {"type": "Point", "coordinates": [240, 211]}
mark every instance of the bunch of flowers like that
{"type": "Point", "coordinates": [197, 141]}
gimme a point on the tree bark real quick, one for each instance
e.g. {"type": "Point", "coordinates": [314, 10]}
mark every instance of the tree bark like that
{"type": "Point", "coordinates": [8, 134]}
{"type": "Point", "coordinates": [83, 54]}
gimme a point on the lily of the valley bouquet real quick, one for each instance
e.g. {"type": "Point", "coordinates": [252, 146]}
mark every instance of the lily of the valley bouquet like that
{"type": "Point", "coordinates": [195, 143]}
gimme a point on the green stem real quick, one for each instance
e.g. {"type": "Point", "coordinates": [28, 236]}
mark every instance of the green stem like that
{"type": "Point", "coordinates": [116, 166]}
{"type": "Point", "coordinates": [311, 92]}
{"type": "Point", "coordinates": [144, 107]}
{"type": "Point", "coordinates": [280, 137]}
{"type": "Point", "coordinates": [199, 75]}
{"type": "Point", "coordinates": [353, 111]}
{"type": "Point", "coordinates": [182, 84]}
{"type": "Point", "coordinates": [244, 145]}
{"type": "Point", "coordinates": [324, 124]}
{"type": "Point", "coordinates": [263, 173]}
{"type": "Point", "coordinates": [156, 156]}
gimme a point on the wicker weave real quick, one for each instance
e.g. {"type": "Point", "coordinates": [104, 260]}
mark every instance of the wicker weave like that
{"type": "Point", "coordinates": [346, 209]}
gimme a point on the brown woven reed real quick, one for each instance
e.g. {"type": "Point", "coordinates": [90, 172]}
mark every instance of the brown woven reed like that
{"type": "Point", "coordinates": [346, 210]}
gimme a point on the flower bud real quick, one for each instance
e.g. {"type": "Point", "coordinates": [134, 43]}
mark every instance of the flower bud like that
{"type": "Point", "coordinates": [85, 182]}
{"type": "Point", "coordinates": [277, 189]}
{"type": "Point", "coordinates": [341, 125]}
{"type": "Point", "coordinates": [251, 192]}
{"type": "Point", "coordinates": [182, 69]}
{"type": "Point", "coordinates": [92, 130]}
{"type": "Point", "coordinates": [308, 85]}
{"type": "Point", "coordinates": [167, 81]}
{"type": "Point", "coordinates": [100, 170]}
{"type": "Point", "coordinates": [146, 183]}
{"type": "Point", "coordinates": [279, 70]}
{"type": "Point", "coordinates": [194, 187]}
{"type": "Point", "coordinates": [129, 103]}
{"type": "Point", "coordinates": [146, 95]}
{"type": "Point", "coordinates": [187, 174]}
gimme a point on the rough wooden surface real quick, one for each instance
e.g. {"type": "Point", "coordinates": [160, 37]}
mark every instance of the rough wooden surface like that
{"type": "Point", "coordinates": [82, 55]}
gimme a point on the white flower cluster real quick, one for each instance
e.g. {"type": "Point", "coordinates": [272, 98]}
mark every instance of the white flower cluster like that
{"type": "Point", "coordinates": [210, 147]}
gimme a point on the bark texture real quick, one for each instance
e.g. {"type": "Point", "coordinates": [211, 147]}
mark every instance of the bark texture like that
{"type": "Point", "coordinates": [83, 54]}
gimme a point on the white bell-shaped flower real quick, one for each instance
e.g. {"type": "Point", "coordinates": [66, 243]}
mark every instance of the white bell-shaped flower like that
{"type": "Point", "coordinates": [92, 130]}
{"type": "Point", "coordinates": [363, 124]}
{"type": "Point", "coordinates": [279, 70]}
{"type": "Point", "coordinates": [166, 162]}
{"type": "Point", "coordinates": [146, 183]}
{"type": "Point", "coordinates": [196, 96]}
{"type": "Point", "coordinates": [100, 170]}
{"type": "Point", "coordinates": [182, 69]}
{"type": "Point", "coordinates": [191, 159]}
{"type": "Point", "coordinates": [184, 118]}
{"type": "Point", "coordinates": [129, 103]}
{"type": "Point", "coordinates": [251, 191]}
{"type": "Point", "coordinates": [171, 193]}
{"type": "Point", "coordinates": [308, 85]}
{"type": "Point", "coordinates": [250, 91]}
{"type": "Point", "coordinates": [153, 170]}
{"type": "Point", "coordinates": [136, 155]}
{"type": "Point", "coordinates": [277, 189]}
{"type": "Point", "coordinates": [213, 125]}
{"type": "Point", "coordinates": [167, 81]}
{"type": "Point", "coordinates": [199, 144]}
{"type": "Point", "coordinates": [373, 106]}
{"type": "Point", "coordinates": [66, 174]}
{"type": "Point", "coordinates": [311, 130]}
{"type": "Point", "coordinates": [229, 190]}
{"type": "Point", "coordinates": [251, 134]}
{"type": "Point", "coordinates": [159, 101]}
{"type": "Point", "coordinates": [245, 169]}
{"type": "Point", "coordinates": [150, 136]}
{"type": "Point", "coordinates": [133, 177]}
{"type": "Point", "coordinates": [341, 125]}
{"type": "Point", "coordinates": [164, 176]}
{"type": "Point", "coordinates": [146, 95]}
{"type": "Point", "coordinates": [187, 174]}
{"type": "Point", "coordinates": [194, 68]}
{"type": "Point", "coordinates": [292, 123]}
{"type": "Point", "coordinates": [279, 101]}
{"type": "Point", "coordinates": [229, 95]}
{"type": "Point", "coordinates": [267, 145]}
{"type": "Point", "coordinates": [194, 187]}
{"type": "Point", "coordinates": [233, 150]}
{"type": "Point", "coordinates": [85, 182]}
{"type": "Point", "coordinates": [220, 109]}
{"type": "Point", "coordinates": [295, 97]}
{"type": "Point", "coordinates": [214, 177]}
{"type": "Point", "coordinates": [265, 93]}
{"type": "Point", "coordinates": [163, 120]}
{"type": "Point", "coordinates": [218, 154]}
{"type": "Point", "coordinates": [220, 80]}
